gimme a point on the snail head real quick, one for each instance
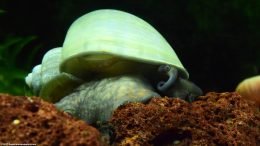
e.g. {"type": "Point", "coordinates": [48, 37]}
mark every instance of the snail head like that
{"type": "Point", "coordinates": [176, 86]}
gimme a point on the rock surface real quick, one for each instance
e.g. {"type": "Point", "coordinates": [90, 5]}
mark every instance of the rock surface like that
{"type": "Point", "coordinates": [214, 119]}
{"type": "Point", "coordinates": [25, 120]}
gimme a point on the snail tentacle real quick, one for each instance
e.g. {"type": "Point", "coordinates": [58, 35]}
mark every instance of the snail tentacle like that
{"type": "Point", "coordinates": [171, 72]}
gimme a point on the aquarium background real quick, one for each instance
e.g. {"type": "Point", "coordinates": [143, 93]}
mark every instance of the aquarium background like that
{"type": "Point", "coordinates": [217, 42]}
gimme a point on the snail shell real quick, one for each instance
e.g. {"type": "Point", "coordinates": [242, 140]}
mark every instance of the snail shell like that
{"type": "Point", "coordinates": [250, 89]}
{"type": "Point", "coordinates": [33, 79]}
{"type": "Point", "coordinates": [112, 42]}
{"type": "Point", "coordinates": [48, 82]}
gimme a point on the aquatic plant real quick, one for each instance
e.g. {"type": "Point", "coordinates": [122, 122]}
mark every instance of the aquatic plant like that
{"type": "Point", "coordinates": [14, 63]}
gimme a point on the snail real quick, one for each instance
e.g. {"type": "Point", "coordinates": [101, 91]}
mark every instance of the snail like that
{"type": "Point", "coordinates": [249, 88]}
{"type": "Point", "coordinates": [120, 58]}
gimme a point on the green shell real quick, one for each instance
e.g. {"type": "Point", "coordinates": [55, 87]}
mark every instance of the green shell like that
{"type": "Point", "coordinates": [47, 81]}
{"type": "Point", "coordinates": [55, 84]}
{"type": "Point", "coordinates": [33, 79]}
{"type": "Point", "coordinates": [109, 41]}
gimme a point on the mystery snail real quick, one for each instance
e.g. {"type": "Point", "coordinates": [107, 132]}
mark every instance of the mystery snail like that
{"type": "Point", "coordinates": [250, 89]}
{"type": "Point", "coordinates": [121, 58]}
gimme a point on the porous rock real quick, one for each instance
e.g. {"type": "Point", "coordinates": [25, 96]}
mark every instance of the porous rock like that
{"type": "Point", "coordinates": [30, 120]}
{"type": "Point", "coordinates": [214, 119]}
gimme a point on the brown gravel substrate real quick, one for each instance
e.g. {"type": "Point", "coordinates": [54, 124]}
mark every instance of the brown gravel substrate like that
{"type": "Point", "coordinates": [25, 120]}
{"type": "Point", "coordinates": [215, 119]}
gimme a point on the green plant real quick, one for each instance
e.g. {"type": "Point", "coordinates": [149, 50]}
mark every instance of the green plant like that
{"type": "Point", "coordinates": [12, 70]}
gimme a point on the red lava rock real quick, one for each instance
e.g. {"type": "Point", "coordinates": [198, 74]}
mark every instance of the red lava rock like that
{"type": "Point", "coordinates": [214, 119]}
{"type": "Point", "coordinates": [30, 120]}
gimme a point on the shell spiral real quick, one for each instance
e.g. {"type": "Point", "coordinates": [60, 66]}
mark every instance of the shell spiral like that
{"type": "Point", "coordinates": [46, 79]}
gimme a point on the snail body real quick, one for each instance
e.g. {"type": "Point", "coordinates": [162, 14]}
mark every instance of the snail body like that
{"type": "Point", "coordinates": [96, 100]}
{"type": "Point", "coordinates": [112, 51]}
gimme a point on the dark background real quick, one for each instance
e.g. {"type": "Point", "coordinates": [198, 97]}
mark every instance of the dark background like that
{"type": "Point", "coordinates": [217, 42]}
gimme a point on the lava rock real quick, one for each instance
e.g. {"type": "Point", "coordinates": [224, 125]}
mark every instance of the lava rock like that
{"type": "Point", "coordinates": [30, 120]}
{"type": "Point", "coordinates": [214, 119]}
